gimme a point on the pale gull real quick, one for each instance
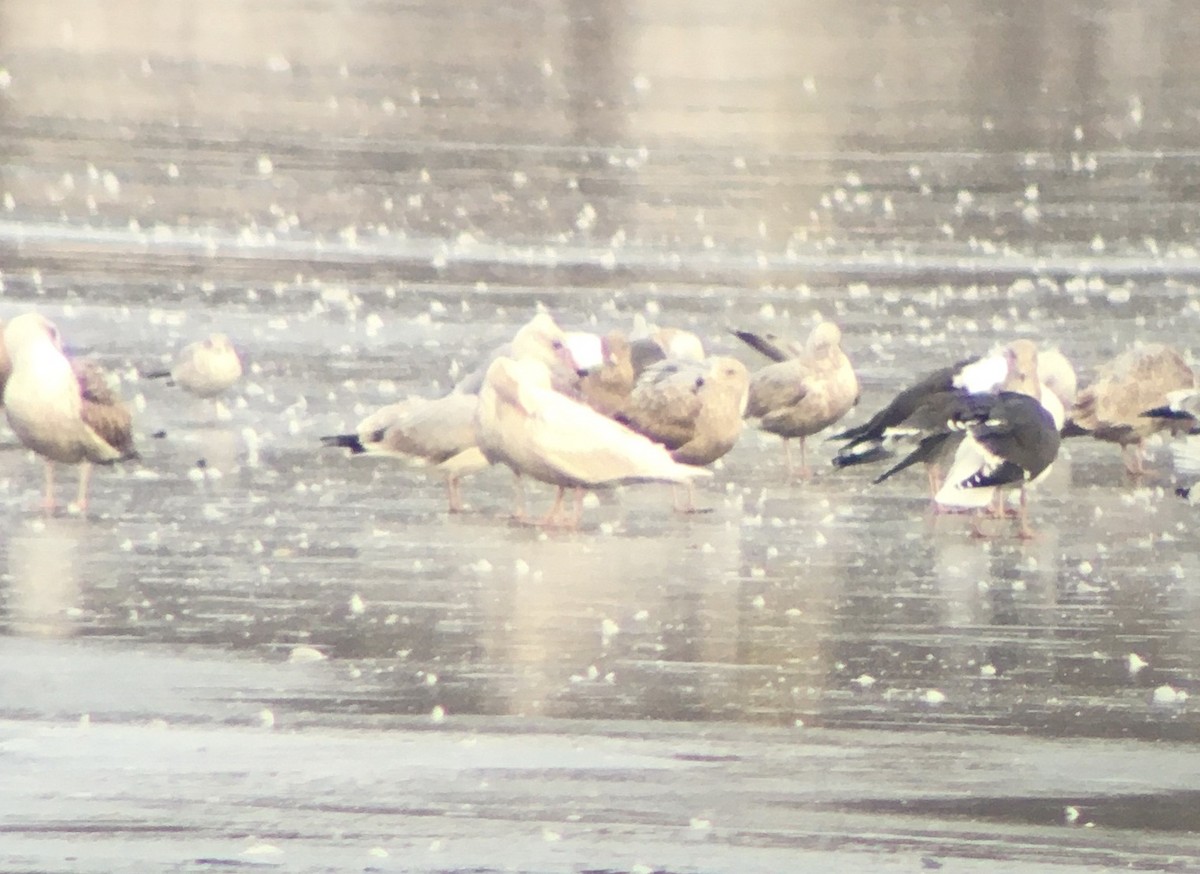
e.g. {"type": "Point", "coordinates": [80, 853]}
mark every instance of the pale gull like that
{"type": "Point", "coordinates": [62, 412]}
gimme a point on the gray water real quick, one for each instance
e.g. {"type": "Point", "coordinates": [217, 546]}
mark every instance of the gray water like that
{"type": "Point", "coordinates": [283, 657]}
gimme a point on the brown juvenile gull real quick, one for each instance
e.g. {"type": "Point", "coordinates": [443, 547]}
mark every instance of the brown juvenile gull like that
{"type": "Point", "coordinates": [64, 413]}
{"type": "Point", "coordinates": [606, 387]}
{"type": "Point", "coordinates": [204, 368]}
{"type": "Point", "coordinates": [1137, 380]}
{"type": "Point", "coordinates": [694, 409]}
{"type": "Point", "coordinates": [803, 395]}
{"type": "Point", "coordinates": [524, 423]}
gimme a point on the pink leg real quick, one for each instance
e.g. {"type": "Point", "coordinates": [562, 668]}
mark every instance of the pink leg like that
{"type": "Point", "coordinates": [518, 498]}
{"type": "Point", "coordinates": [85, 477]}
{"type": "Point", "coordinates": [977, 525]}
{"type": "Point", "coordinates": [1134, 463]}
{"type": "Point", "coordinates": [551, 519]}
{"type": "Point", "coordinates": [1023, 529]}
{"type": "Point", "coordinates": [453, 494]}
{"type": "Point", "coordinates": [48, 503]}
{"type": "Point", "coordinates": [579, 493]}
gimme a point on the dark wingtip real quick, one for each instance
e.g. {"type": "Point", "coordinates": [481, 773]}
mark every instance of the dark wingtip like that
{"type": "Point", "coordinates": [1072, 429]}
{"type": "Point", "coordinates": [765, 345]}
{"type": "Point", "coordinates": [1184, 493]}
{"type": "Point", "coordinates": [156, 374]}
{"type": "Point", "coordinates": [848, 434]}
{"type": "Point", "coordinates": [850, 459]}
{"type": "Point", "coordinates": [1165, 413]}
{"type": "Point", "coordinates": [344, 441]}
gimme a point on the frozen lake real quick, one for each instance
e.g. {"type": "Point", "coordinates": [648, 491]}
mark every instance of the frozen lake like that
{"type": "Point", "coordinates": [284, 658]}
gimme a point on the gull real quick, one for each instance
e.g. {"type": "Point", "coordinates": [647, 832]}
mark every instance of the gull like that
{"type": "Point", "coordinates": [921, 412]}
{"type": "Point", "coordinates": [205, 368]}
{"type": "Point", "coordinates": [1182, 406]}
{"type": "Point", "coordinates": [540, 338]}
{"type": "Point", "coordinates": [439, 433]}
{"type": "Point", "coordinates": [1182, 410]}
{"type": "Point", "coordinates": [1139, 379]}
{"type": "Point", "coordinates": [694, 409]}
{"type": "Point", "coordinates": [1012, 438]}
{"type": "Point", "coordinates": [435, 432]}
{"type": "Point", "coordinates": [524, 423]}
{"type": "Point", "coordinates": [805, 393]}
{"type": "Point", "coordinates": [607, 386]}
{"type": "Point", "coordinates": [62, 411]}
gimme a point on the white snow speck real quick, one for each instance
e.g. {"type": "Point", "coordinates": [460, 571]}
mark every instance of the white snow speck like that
{"type": "Point", "coordinates": [1165, 695]}
{"type": "Point", "coordinates": [609, 629]}
{"type": "Point", "coordinates": [303, 654]}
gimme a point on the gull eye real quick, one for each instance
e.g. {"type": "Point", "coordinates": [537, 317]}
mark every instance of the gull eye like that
{"type": "Point", "coordinates": [557, 345]}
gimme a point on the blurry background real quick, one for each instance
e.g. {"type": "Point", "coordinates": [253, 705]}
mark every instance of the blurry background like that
{"type": "Point", "coordinates": [366, 195]}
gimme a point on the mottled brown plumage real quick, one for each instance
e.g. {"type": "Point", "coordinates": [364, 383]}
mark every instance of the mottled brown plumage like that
{"type": "Point", "coordinates": [102, 409]}
{"type": "Point", "coordinates": [694, 409]}
{"type": "Point", "coordinates": [802, 396]}
{"type": "Point", "coordinates": [606, 388]}
{"type": "Point", "coordinates": [1137, 380]}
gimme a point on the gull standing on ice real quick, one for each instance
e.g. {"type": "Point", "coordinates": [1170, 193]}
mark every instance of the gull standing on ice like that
{"type": "Point", "coordinates": [1137, 380]}
{"type": "Point", "coordinates": [65, 413]}
{"type": "Point", "coordinates": [922, 411]}
{"type": "Point", "coordinates": [524, 423]}
{"type": "Point", "coordinates": [694, 409]}
{"type": "Point", "coordinates": [440, 432]}
{"type": "Point", "coordinates": [804, 394]}
{"type": "Point", "coordinates": [1012, 439]}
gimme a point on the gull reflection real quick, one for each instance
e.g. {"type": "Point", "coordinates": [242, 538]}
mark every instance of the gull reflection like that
{"type": "Point", "coordinates": [43, 569]}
